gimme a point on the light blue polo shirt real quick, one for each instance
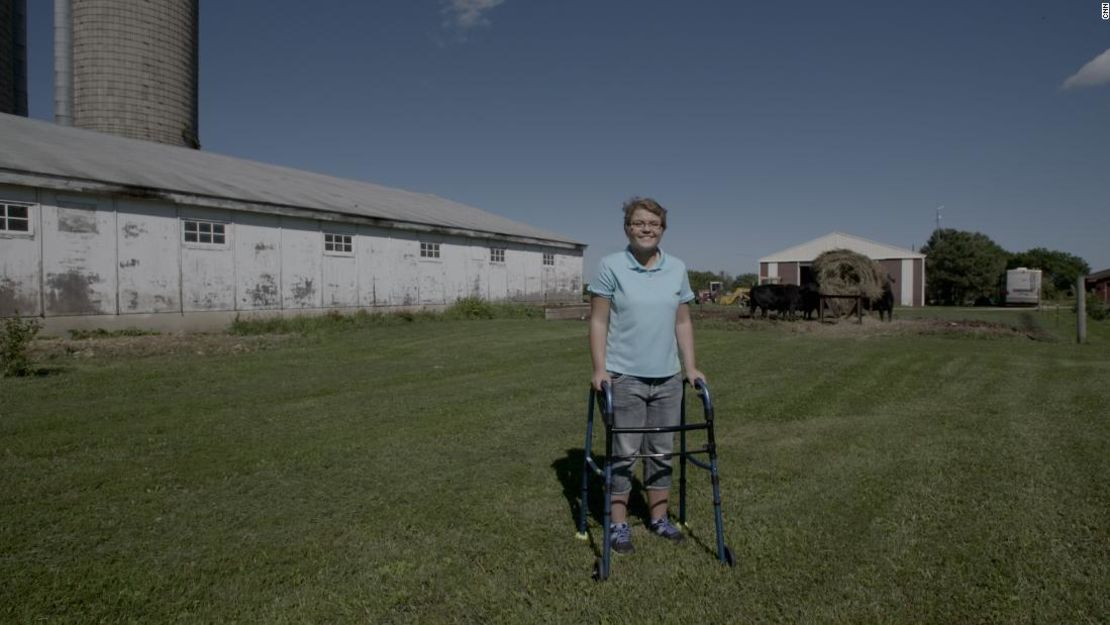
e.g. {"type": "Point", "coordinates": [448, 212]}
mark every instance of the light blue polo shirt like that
{"type": "Point", "coordinates": [643, 304]}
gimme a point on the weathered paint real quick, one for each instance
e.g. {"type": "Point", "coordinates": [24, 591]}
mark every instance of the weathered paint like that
{"type": "Point", "coordinates": [301, 251]}
{"type": "Point", "coordinates": [79, 272]}
{"type": "Point", "coordinates": [257, 245]}
{"type": "Point", "coordinates": [372, 260]}
{"type": "Point", "coordinates": [126, 255]}
{"type": "Point", "coordinates": [207, 271]}
{"type": "Point", "coordinates": [404, 283]}
{"type": "Point", "coordinates": [339, 271]}
{"type": "Point", "coordinates": [149, 265]}
{"type": "Point", "coordinates": [20, 261]}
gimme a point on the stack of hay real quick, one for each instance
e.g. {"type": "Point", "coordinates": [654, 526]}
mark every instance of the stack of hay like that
{"type": "Point", "coordinates": [844, 272]}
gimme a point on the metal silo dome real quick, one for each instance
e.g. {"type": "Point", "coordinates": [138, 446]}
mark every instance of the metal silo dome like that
{"type": "Point", "coordinates": [134, 68]}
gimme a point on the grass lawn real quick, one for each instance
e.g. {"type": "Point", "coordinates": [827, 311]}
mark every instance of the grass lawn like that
{"type": "Point", "coordinates": [427, 473]}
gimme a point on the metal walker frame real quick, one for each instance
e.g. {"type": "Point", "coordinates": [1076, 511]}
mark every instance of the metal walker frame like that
{"type": "Point", "coordinates": [604, 401]}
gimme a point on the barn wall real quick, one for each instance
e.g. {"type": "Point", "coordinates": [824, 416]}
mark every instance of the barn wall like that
{"type": "Point", "coordinates": [772, 272]}
{"type": "Point", "coordinates": [79, 260]}
{"type": "Point", "coordinates": [788, 273]}
{"type": "Point", "coordinates": [919, 276]}
{"type": "Point", "coordinates": [339, 270]}
{"type": "Point", "coordinates": [106, 256]}
{"type": "Point", "coordinates": [904, 294]}
{"type": "Point", "coordinates": [257, 243]}
{"type": "Point", "coordinates": [301, 263]}
{"type": "Point", "coordinates": [207, 271]}
{"type": "Point", "coordinates": [21, 269]}
{"type": "Point", "coordinates": [148, 260]}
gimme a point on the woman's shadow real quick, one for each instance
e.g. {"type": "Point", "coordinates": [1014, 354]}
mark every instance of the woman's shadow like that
{"type": "Point", "coordinates": [568, 470]}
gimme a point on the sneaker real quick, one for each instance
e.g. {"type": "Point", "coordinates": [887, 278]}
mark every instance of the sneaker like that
{"type": "Point", "coordinates": [663, 528]}
{"type": "Point", "coordinates": [620, 538]}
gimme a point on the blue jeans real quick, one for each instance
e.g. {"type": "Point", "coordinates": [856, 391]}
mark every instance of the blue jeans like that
{"type": "Point", "coordinates": [644, 402]}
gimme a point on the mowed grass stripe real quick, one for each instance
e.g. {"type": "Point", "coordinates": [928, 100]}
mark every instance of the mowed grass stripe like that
{"type": "Point", "coordinates": [426, 473]}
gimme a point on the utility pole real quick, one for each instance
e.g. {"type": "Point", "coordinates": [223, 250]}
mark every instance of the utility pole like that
{"type": "Point", "coordinates": [938, 216]}
{"type": "Point", "coordinates": [1081, 309]}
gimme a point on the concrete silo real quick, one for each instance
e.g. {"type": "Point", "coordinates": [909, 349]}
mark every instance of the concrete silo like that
{"type": "Point", "coordinates": [13, 57]}
{"type": "Point", "coordinates": [128, 68]}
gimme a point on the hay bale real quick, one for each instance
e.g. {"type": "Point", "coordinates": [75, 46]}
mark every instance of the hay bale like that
{"type": "Point", "coordinates": [844, 272]}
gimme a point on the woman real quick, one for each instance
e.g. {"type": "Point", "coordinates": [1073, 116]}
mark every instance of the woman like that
{"type": "Point", "coordinates": [639, 325]}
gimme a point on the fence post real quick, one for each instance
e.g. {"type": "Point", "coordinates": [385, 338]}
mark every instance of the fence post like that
{"type": "Point", "coordinates": [1081, 309]}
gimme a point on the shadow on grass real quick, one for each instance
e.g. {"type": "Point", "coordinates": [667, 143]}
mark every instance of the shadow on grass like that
{"type": "Point", "coordinates": [568, 470]}
{"type": "Point", "coordinates": [43, 372]}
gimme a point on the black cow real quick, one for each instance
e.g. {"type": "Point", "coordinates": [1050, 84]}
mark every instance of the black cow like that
{"type": "Point", "coordinates": [811, 299]}
{"type": "Point", "coordinates": [885, 301]}
{"type": "Point", "coordinates": [781, 298]}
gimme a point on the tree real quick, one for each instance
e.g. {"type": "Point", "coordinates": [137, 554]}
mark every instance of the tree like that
{"type": "Point", "coordinates": [747, 279]}
{"type": "Point", "coordinates": [699, 280]}
{"type": "Point", "coordinates": [962, 266]}
{"type": "Point", "coordinates": [1060, 270]}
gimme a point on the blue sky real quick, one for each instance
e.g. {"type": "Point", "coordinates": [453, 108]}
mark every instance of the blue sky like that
{"type": "Point", "coordinates": [760, 125]}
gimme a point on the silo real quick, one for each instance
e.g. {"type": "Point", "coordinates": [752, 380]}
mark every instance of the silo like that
{"type": "Point", "coordinates": [134, 68]}
{"type": "Point", "coordinates": [13, 57]}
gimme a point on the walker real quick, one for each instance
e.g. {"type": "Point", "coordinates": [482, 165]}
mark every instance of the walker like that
{"type": "Point", "coordinates": [604, 400]}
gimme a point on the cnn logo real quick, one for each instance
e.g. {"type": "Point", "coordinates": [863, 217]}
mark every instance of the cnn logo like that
{"type": "Point", "coordinates": [1106, 10]}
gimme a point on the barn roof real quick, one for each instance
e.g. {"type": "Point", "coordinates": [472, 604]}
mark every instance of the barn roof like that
{"type": "Point", "coordinates": [806, 252]}
{"type": "Point", "coordinates": [42, 154]}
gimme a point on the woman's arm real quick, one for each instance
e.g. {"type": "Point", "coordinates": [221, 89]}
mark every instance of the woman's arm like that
{"type": "Point", "coordinates": [599, 332]}
{"type": "Point", "coordinates": [684, 333]}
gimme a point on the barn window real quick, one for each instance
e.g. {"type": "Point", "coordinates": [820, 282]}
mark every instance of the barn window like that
{"type": "Point", "coordinates": [549, 259]}
{"type": "Point", "coordinates": [205, 232]}
{"type": "Point", "coordinates": [429, 250]}
{"type": "Point", "coordinates": [15, 218]}
{"type": "Point", "coordinates": [338, 244]}
{"type": "Point", "coordinates": [496, 254]}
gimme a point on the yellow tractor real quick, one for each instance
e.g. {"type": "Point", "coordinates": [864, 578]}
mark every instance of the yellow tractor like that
{"type": "Point", "coordinates": [738, 296]}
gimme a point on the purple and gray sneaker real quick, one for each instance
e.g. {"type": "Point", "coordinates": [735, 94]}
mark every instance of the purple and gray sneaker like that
{"type": "Point", "coordinates": [663, 528]}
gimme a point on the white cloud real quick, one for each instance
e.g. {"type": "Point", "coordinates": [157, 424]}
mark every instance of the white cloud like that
{"type": "Point", "coordinates": [464, 15]}
{"type": "Point", "coordinates": [1097, 72]}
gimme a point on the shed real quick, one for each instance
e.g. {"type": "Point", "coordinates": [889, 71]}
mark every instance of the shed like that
{"type": "Point", "coordinates": [99, 230]}
{"type": "Point", "coordinates": [794, 265]}
{"type": "Point", "coordinates": [1099, 284]}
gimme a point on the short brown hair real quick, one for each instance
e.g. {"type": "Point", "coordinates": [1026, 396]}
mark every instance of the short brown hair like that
{"type": "Point", "coordinates": [635, 203]}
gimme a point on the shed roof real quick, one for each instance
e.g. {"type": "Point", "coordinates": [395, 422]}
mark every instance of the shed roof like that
{"type": "Point", "coordinates": [42, 154]}
{"type": "Point", "coordinates": [1099, 275]}
{"type": "Point", "coordinates": [808, 251]}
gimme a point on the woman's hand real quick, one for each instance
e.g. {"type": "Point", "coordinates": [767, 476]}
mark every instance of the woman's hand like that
{"type": "Point", "coordinates": [693, 375]}
{"type": "Point", "coordinates": [600, 377]}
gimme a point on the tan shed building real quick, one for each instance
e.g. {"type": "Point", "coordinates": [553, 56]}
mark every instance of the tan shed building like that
{"type": "Point", "coordinates": [794, 265]}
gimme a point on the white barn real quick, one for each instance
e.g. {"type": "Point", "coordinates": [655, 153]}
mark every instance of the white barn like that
{"type": "Point", "coordinates": [794, 265]}
{"type": "Point", "coordinates": [103, 231]}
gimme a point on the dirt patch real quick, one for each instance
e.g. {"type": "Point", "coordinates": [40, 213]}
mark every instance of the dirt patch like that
{"type": "Point", "coordinates": [732, 318]}
{"type": "Point", "coordinates": [154, 345]}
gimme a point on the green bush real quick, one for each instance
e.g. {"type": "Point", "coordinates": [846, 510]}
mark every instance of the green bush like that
{"type": "Point", "coordinates": [471, 308]}
{"type": "Point", "coordinates": [478, 308]}
{"type": "Point", "coordinates": [14, 340]}
{"type": "Point", "coordinates": [466, 308]}
{"type": "Point", "coordinates": [101, 333]}
{"type": "Point", "coordinates": [1096, 310]}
